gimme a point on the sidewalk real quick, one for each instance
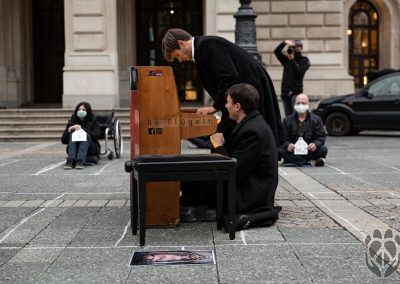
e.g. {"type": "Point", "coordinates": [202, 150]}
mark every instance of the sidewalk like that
{"type": "Point", "coordinates": [60, 226]}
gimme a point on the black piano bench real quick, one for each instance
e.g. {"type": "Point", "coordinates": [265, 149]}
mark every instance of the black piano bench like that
{"type": "Point", "coordinates": [188, 167]}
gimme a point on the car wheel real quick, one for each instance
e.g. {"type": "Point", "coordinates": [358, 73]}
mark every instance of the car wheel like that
{"type": "Point", "coordinates": [338, 124]}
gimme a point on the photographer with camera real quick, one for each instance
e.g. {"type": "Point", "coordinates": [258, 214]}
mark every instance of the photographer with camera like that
{"type": "Point", "coordinates": [295, 66]}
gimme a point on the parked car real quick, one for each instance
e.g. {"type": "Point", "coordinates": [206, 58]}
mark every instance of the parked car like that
{"type": "Point", "coordinates": [376, 106]}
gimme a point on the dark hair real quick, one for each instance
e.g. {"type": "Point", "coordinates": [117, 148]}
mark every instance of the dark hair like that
{"type": "Point", "coordinates": [246, 95]}
{"type": "Point", "coordinates": [170, 41]}
{"type": "Point", "coordinates": [89, 115]}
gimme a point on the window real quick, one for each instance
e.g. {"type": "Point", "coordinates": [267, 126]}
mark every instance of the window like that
{"type": "Point", "coordinates": [386, 87]}
{"type": "Point", "coordinates": [363, 36]}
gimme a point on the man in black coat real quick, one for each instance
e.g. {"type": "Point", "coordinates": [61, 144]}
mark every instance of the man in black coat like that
{"type": "Point", "coordinates": [310, 128]}
{"type": "Point", "coordinates": [295, 66]}
{"type": "Point", "coordinates": [221, 64]}
{"type": "Point", "coordinates": [253, 146]}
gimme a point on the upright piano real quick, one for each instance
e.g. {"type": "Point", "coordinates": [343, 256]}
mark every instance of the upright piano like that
{"type": "Point", "coordinates": [157, 126]}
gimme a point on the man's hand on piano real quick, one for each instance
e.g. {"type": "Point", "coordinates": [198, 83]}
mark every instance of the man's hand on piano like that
{"type": "Point", "coordinates": [206, 110]}
{"type": "Point", "coordinates": [217, 140]}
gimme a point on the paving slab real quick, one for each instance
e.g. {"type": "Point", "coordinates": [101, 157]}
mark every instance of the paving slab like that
{"type": "Point", "coordinates": [13, 203]}
{"type": "Point", "coordinates": [67, 203]}
{"type": "Point", "coordinates": [313, 243]}
{"type": "Point", "coordinates": [258, 264]}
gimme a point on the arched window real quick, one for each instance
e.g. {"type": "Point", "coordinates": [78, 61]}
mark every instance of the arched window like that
{"type": "Point", "coordinates": [363, 41]}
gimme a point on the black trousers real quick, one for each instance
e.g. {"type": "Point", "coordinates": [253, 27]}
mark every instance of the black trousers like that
{"type": "Point", "coordinates": [290, 157]}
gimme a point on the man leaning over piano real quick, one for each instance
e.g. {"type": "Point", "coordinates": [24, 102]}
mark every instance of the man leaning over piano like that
{"type": "Point", "coordinates": [221, 64]}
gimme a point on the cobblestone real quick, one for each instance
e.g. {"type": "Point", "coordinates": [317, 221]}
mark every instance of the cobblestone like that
{"type": "Point", "coordinates": [305, 217]}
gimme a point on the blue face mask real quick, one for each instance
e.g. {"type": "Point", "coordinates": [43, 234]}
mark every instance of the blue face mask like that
{"type": "Point", "coordinates": [81, 114]}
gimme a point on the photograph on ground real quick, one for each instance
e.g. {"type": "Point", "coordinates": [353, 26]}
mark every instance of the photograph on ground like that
{"type": "Point", "coordinates": [172, 257]}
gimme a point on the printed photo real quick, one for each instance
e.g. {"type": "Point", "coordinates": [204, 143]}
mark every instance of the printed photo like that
{"type": "Point", "coordinates": [172, 257]}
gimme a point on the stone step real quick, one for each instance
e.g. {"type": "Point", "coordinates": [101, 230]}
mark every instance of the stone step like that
{"type": "Point", "coordinates": [43, 138]}
{"type": "Point", "coordinates": [125, 123]}
{"type": "Point", "coordinates": [46, 124]}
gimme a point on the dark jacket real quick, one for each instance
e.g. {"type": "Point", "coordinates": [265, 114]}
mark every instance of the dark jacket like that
{"type": "Point", "coordinates": [221, 64]}
{"type": "Point", "coordinates": [293, 71]}
{"type": "Point", "coordinates": [91, 126]}
{"type": "Point", "coordinates": [257, 163]}
{"type": "Point", "coordinates": [314, 131]}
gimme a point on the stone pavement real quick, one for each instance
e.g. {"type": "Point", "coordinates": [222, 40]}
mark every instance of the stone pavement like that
{"type": "Point", "coordinates": [60, 226]}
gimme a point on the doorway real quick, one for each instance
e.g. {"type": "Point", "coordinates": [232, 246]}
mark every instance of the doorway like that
{"type": "Point", "coordinates": [48, 51]}
{"type": "Point", "coordinates": [154, 18]}
{"type": "Point", "coordinates": [363, 34]}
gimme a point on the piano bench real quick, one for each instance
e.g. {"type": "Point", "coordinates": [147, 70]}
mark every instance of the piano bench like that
{"type": "Point", "coordinates": [188, 167]}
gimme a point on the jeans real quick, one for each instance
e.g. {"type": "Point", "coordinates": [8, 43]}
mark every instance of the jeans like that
{"type": "Point", "coordinates": [78, 150]}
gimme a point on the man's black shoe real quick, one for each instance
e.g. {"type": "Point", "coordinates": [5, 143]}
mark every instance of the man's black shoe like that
{"type": "Point", "coordinates": [320, 162]}
{"type": "Point", "coordinates": [69, 165]}
{"type": "Point", "coordinates": [79, 165]}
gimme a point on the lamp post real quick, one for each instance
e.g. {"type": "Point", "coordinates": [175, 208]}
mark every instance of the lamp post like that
{"type": "Point", "coordinates": [245, 31]}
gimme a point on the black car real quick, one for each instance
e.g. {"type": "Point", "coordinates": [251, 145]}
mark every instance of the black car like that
{"type": "Point", "coordinates": [376, 106]}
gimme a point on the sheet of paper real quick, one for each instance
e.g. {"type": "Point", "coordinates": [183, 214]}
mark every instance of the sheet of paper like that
{"type": "Point", "coordinates": [300, 148]}
{"type": "Point", "coordinates": [79, 135]}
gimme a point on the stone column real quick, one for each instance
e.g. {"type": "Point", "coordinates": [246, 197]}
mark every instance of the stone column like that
{"type": "Point", "coordinates": [91, 59]}
{"type": "Point", "coordinates": [15, 53]}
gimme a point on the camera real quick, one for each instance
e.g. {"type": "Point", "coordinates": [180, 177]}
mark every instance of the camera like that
{"type": "Point", "coordinates": [290, 50]}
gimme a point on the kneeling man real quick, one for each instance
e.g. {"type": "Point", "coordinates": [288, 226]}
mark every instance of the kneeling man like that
{"type": "Point", "coordinates": [254, 148]}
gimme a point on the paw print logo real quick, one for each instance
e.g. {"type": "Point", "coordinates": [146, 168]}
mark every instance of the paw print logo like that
{"type": "Point", "coordinates": [383, 256]}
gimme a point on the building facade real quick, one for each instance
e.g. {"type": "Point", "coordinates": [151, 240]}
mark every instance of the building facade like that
{"type": "Point", "coordinates": [60, 52]}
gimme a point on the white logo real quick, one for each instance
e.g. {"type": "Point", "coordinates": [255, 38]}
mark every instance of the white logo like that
{"type": "Point", "coordinates": [383, 256]}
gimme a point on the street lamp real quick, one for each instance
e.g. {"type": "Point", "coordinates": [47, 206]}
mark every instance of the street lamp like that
{"type": "Point", "coordinates": [245, 31]}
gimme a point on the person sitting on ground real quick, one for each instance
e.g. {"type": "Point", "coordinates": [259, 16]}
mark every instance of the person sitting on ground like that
{"type": "Point", "coordinates": [254, 148]}
{"type": "Point", "coordinates": [78, 151]}
{"type": "Point", "coordinates": [299, 127]}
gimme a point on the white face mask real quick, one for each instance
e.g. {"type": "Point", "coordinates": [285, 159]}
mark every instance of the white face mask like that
{"type": "Point", "coordinates": [299, 108]}
{"type": "Point", "coordinates": [81, 113]}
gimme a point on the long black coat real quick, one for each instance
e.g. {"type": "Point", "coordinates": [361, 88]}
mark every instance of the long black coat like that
{"type": "Point", "coordinates": [257, 163]}
{"type": "Point", "coordinates": [221, 64]}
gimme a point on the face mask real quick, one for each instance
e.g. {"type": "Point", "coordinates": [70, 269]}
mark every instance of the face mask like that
{"type": "Point", "coordinates": [301, 108]}
{"type": "Point", "coordinates": [81, 114]}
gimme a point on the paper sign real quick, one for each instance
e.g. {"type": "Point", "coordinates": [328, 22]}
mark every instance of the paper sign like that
{"type": "Point", "coordinates": [79, 135]}
{"type": "Point", "coordinates": [300, 148]}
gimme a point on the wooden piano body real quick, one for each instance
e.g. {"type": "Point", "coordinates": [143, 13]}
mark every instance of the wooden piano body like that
{"type": "Point", "coordinates": [157, 127]}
